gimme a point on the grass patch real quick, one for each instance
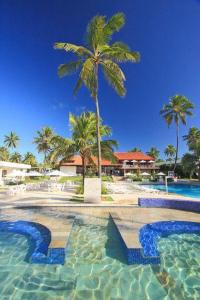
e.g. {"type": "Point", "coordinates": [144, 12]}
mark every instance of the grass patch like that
{"type": "Point", "coordinates": [70, 178]}
{"type": "Point", "coordinates": [79, 189]}
{"type": "Point", "coordinates": [78, 199]}
{"type": "Point", "coordinates": [107, 198]}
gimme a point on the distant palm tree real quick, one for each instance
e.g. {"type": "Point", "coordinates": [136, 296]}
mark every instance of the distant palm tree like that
{"type": "Point", "coordinates": [154, 152]}
{"type": "Point", "coordinates": [16, 157]}
{"type": "Point", "coordinates": [43, 140]}
{"type": "Point", "coordinates": [83, 129]}
{"type": "Point", "coordinates": [135, 149]}
{"type": "Point", "coordinates": [170, 151]}
{"type": "Point", "coordinates": [178, 108]}
{"type": "Point", "coordinates": [4, 154]}
{"type": "Point", "coordinates": [99, 52]}
{"type": "Point", "coordinates": [11, 140]}
{"type": "Point", "coordinates": [30, 159]}
{"type": "Point", "coordinates": [192, 138]}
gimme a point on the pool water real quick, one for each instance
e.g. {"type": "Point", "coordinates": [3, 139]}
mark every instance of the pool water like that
{"type": "Point", "coordinates": [187, 190]}
{"type": "Point", "coordinates": [95, 268]}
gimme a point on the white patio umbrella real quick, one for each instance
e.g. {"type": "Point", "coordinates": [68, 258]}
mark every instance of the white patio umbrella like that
{"type": "Point", "coordinates": [145, 174]}
{"type": "Point", "coordinates": [34, 174]}
{"type": "Point", "coordinates": [151, 161]}
{"type": "Point", "coordinates": [143, 161]}
{"type": "Point", "coordinates": [133, 161]}
{"type": "Point", "coordinates": [55, 173]}
{"type": "Point", "coordinates": [161, 174]}
{"type": "Point", "coordinates": [129, 174]}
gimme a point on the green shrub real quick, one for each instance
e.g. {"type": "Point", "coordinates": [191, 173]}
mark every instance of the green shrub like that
{"type": "Point", "coordinates": [80, 189]}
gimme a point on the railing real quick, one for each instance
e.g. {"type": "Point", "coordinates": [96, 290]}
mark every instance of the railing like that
{"type": "Point", "coordinates": [142, 167]}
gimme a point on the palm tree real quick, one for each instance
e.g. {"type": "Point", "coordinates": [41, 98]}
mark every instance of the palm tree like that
{"type": "Point", "coordinates": [193, 142]}
{"type": "Point", "coordinates": [16, 157]}
{"type": "Point", "coordinates": [189, 163]}
{"type": "Point", "coordinates": [99, 52]}
{"type": "Point", "coordinates": [83, 129]}
{"type": "Point", "coordinates": [154, 152]}
{"type": "Point", "coordinates": [4, 154]}
{"type": "Point", "coordinates": [30, 159]}
{"type": "Point", "coordinates": [178, 108]}
{"type": "Point", "coordinates": [135, 149]}
{"type": "Point", "coordinates": [43, 140]}
{"type": "Point", "coordinates": [11, 140]}
{"type": "Point", "coordinates": [170, 151]}
{"type": "Point", "coordinates": [61, 148]}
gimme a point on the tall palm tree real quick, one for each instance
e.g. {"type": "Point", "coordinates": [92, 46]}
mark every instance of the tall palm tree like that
{"type": "Point", "coordinates": [83, 129]}
{"type": "Point", "coordinates": [43, 140]}
{"type": "Point", "coordinates": [154, 152]}
{"type": "Point", "coordinates": [135, 149]}
{"type": "Point", "coordinates": [30, 159]}
{"type": "Point", "coordinates": [61, 148]}
{"type": "Point", "coordinates": [4, 154]}
{"type": "Point", "coordinates": [170, 151]}
{"type": "Point", "coordinates": [16, 157]}
{"type": "Point", "coordinates": [99, 52]}
{"type": "Point", "coordinates": [178, 108]}
{"type": "Point", "coordinates": [11, 140]}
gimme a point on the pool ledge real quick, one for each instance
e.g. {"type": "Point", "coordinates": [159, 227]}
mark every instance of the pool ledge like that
{"type": "Point", "coordinates": [39, 251]}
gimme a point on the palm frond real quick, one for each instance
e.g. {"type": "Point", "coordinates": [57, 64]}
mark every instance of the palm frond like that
{"type": "Point", "coordinates": [95, 35]}
{"type": "Point", "coordinates": [119, 52]}
{"type": "Point", "coordinates": [114, 75]}
{"type": "Point", "coordinates": [79, 50]}
{"type": "Point", "coordinates": [115, 23]}
{"type": "Point", "coordinates": [88, 76]}
{"type": "Point", "coordinates": [69, 68]}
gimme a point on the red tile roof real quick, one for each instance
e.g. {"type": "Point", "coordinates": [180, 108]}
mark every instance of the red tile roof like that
{"type": "Point", "coordinates": [77, 161]}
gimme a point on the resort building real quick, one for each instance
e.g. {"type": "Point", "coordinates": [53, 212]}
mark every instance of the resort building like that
{"type": "Point", "coordinates": [126, 163]}
{"type": "Point", "coordinates": [10, 169]}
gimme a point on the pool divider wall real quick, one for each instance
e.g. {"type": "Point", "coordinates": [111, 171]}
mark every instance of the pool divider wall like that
{"type": "Point", "coordinates": [40, 253]}
{"type": "Point", "coordinates": [188, 205]}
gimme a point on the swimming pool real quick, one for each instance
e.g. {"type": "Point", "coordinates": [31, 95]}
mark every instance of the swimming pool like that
{"type": "Point", "coordinates": [95, 268]}
{"type": "Point", "coordinates": [187, 190]}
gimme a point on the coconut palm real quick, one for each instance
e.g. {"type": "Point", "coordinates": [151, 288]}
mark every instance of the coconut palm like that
{"type": "Point", "coordinates": [11, 140]}
{"type": "Point", "coordinates": [170, 151]}
{"type": "Point", "coordinates": [99, 52]}
{"type": "Point", "coordinates": [178, 108]}
{"type": "Point", "coordinates": [83, 129]}
{"type": "Point", "coordinates": [16, 157]}
{"type": "Point", "coordinates": [193, 142]}
{"type": "Point", "coordinates": [4, 154]}
{"type": "Point", "coordinates": [135, 149]}
{"type": "Point", "coordinates": [43, 140]}
{"type": "Point", "coordinates": [30, 159]}
{"type": "Point", "coordinates": [61, 148]}
{"type": "Point", "coordinates": [154, 152]}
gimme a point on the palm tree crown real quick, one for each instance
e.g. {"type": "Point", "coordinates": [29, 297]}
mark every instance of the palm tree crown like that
{"type": "Point", "coordinates": [16, 157]}
{"type": "Point", "coordinates": [99, 52]}
{"type": "Point", "coordinates": [170, 151]}
{"type": "Point", "coordinates": [11, 140]}
{"type": "Point", "coordinates": [178, 108]}
{"type": "Point", "coordinates": [43, 140]}
{"type": "Point", "coordinates": [154, 152]}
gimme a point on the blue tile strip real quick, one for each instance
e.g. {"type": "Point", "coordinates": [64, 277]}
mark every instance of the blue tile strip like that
{"type": "Point", "coordinates": [170, 203]}
{"type": "Point", "coordinates": [149, 236]}
{"type": "Point", "coordinates": [40, 238]}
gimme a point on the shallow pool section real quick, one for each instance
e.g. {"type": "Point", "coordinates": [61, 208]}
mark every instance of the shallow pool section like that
{"type": "Point", "coordinates": [95, 268]}
{"type": "Point", "coordinates": [187, 190]}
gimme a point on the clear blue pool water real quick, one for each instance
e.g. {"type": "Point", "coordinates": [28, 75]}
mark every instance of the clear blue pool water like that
{"type": "Point", "coordinates": [95, 268]}
{"type": "Point", "coordinates": [187, 190]}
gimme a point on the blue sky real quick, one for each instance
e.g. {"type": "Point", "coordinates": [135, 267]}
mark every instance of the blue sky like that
{"type": "Point", "coordinates": [165, 32]}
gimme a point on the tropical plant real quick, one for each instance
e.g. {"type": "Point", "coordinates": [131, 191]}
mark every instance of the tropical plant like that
{"type": "Point", "coordinates": [170, 152]}
{"type": "Point", "coordinates": [188, 163]}
{"type": "Point", "coordinates": [4, 154]}
{"type": "Point", "coordinates": [135, 149]}
{"type": "Point", "coordinates": [193, 142]}
{"type": "Point", "coordinates": [43, 140]}
{"type": "Point", "coordinates": [178, 108]}
{"type": "Point", "coordinates": [99, 52]}
{"type": "Point", "coordinates": [11, 140]}
{"type": "Point", "coordinates": [30, 159]}
{"type": "Point", "coordinates": [16, 157]}
{"type": "Point", "coordinates": [154, 152]}
{"type": "Point", "coordinates": [61, 148]}
{"type": "Point", "coordinates": [83, 129]}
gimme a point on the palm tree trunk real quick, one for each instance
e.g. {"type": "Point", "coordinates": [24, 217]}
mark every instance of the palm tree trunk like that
{"type": "Point", "coordinates": [177, 145]}
{"type": "Point", "coordinates": [83, 167]}
{"type": "Point", "coordinates": [199, 172]}
{"type": "Point", "coordinates": [98, 124]}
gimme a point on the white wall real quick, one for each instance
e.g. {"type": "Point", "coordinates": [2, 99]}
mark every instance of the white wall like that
{"type": "Point", "coordinates": [68, 170]}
